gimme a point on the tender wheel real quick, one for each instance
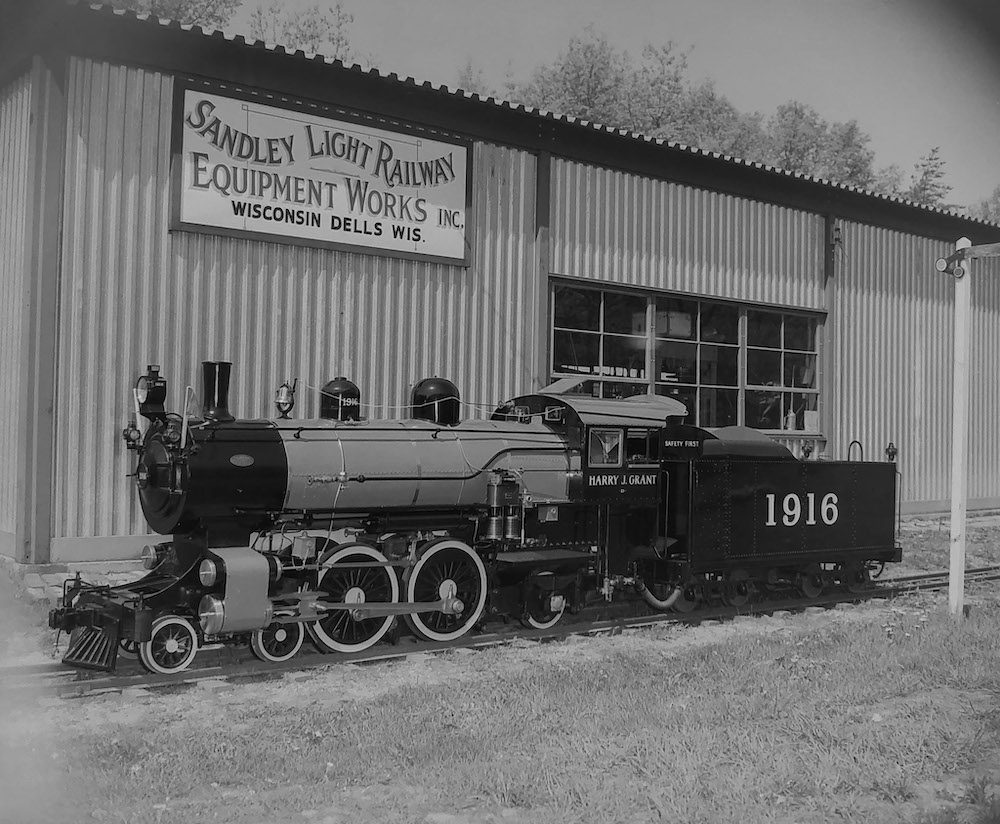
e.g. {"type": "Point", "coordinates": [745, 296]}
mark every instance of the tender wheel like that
{"type": "Point", "coordinates": [688, 600]}
{"type": "Point", "coordinates": [539, 615]}
{"type": "Point", "coordinates": [277, 642]}
{"type": "Point", "coordinates": [856, 578]}
{"type": "Point", "coordinates": [810, 581]}
{"type": "Point", "coordinates": [172, 645]}
{"type": "Point", "coordinates": [736, 589]}
{"type": "Point", "coordinates": [339, 631]}
{"type": "Point", "coordinates": [446, 568]}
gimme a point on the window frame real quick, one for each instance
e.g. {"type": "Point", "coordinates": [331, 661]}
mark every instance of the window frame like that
{"type": "Point", "coordinates": [604, 384]}
{"type": "Point", "coordinates": [619, 434]}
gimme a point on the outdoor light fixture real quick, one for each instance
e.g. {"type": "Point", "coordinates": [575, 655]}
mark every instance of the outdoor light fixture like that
{"type": "Point", "coordinates": [284, 398]}
{"type": "Point", "coordinates": [151, 392]}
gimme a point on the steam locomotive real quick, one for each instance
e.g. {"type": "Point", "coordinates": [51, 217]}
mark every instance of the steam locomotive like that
{"type": "Point", "coordinates": [335, 528]}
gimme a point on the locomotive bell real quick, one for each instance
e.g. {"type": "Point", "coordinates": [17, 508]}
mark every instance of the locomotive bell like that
{"type": "Point", "coordinates": [284, 398]}
{"type": "Point", "coordinates": [215, 381]}
{"type": "Point", "coordinates": [340, 400]}
{"type": "Point", "coordinates": [435, 400]}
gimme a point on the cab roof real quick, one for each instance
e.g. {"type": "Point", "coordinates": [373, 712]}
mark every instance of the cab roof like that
{"type": "Point", "coordinates": [639, 410]}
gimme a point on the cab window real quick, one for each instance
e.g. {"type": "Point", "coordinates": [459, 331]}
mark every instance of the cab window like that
{"type": "Point", "coordinates": [641, 446]}
{"type": "Point", "coordinates": [605, 448]}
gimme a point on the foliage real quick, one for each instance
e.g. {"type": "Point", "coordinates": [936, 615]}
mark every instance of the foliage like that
{"type": "Point", "coordinates": [594, 81]}
{"type": "Point", "coordinates": [209, 14]}
{"type": "Point", "coordinates": [927, 184]}
{"type": "Point", "coordinates": [889, 181]}
{"type": "Point", "coordinates": [471, 79]}
{"type": "Point", "coordinates": [988, 209]}
{"type": "Point", "coordinates": [586, 81]}
{"type": "Point", "coordinates": [313, 29]}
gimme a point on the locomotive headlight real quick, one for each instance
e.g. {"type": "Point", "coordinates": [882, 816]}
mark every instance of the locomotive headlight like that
{"type": "Point", "coordinates": [208, 572]}
{"type": "Point", "coordinates": [142, 389]}
{"type": "Point", "coordinates": [211, 614]}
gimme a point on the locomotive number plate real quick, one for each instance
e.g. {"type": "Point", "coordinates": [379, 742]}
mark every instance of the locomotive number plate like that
{"type": "Point", "coordinates": [801, 508]}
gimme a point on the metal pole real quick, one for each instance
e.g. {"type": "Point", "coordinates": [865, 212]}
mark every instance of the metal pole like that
{"type": "Point", "coordinates": [960, 430]}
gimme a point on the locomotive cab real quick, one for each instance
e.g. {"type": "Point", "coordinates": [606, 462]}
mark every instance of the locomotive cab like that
{"type": "Point", "coordinates": [619, 480]}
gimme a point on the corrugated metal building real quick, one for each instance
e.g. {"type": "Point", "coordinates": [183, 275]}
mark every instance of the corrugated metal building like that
{"type": "Point", "coordinates": [562, 248]}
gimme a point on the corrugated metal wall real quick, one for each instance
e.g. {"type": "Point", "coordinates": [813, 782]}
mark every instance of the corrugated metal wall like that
{"type": "Point", "coordinates": [134, 294]}
{"type": "Point", "coordinates": [624, 228]}
{"type": "Point", "coordinates": [15, 134]}
{"type": "Point", "coordinates": [890, 338]}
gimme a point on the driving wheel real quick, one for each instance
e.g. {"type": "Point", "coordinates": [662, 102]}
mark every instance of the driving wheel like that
{"type": "Point", "coordinates": [353, 574]}
{"type": "Point", "coordinates": [446, 569]}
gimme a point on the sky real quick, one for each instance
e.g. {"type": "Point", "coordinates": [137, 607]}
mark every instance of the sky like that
{"type": "Point", "coordinates": [915, 74]}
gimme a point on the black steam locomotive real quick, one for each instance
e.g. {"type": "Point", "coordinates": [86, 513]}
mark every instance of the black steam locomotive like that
{"type": "Point", "coordinates": [336, 527]}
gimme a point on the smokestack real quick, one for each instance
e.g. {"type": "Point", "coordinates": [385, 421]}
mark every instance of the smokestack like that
{"type": "Point", "coordinates": [215, 377]}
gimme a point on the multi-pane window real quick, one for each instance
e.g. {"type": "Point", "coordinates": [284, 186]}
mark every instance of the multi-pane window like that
{"type": "Point", "coordinates": [781, 371]}
{"type": "Point", "coordinates": [729, 364]}
{"type": "Point", "coordinates": [603, 334]}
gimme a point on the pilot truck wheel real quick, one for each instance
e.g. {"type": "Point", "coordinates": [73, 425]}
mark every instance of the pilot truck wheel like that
{"type": "Point", "coordinates": [172, 645]}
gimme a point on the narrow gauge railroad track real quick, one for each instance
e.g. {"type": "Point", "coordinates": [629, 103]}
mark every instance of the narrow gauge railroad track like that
{"type": "Point", "coordinates": [219, 662]}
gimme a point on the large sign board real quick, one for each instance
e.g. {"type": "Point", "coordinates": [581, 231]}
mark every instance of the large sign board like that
{"type": "Point", "coordinates": [249, 169]}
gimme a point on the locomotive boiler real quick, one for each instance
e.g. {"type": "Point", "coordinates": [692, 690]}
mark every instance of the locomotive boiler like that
{"type": "Point", "coordinates": [338, 528]}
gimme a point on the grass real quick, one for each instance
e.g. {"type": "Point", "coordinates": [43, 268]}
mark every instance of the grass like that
{"type": "Point", "coordinates": [851, 721]}
{"type": "Point", "coordinates": [926, 547]}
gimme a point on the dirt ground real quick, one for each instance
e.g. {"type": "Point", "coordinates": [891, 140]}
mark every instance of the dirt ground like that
{"type": "Point", "coordinates": [38, 786]}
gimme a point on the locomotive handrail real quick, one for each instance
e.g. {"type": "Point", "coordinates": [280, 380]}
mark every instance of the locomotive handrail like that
{"type": "Point", "coordinates": [850, 446]}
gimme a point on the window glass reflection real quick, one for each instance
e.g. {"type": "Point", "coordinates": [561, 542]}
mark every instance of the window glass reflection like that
{"type": "Point", "coordinates": [800, 333]}
{"type": "Point", "coordinates": [676, 362]}
{"type": "Point", "coordinates": [720, 323]}
{"type": "Point", "coordinates": [763, 409]}
{"type": "Point", "coordinates": [719, 365]}
{"type": "Point", "coordinates": [605, 447]}
{"type": "Point", "coordinates": [625, 314]}
{"type": "Point", "coordinates": [728, 364]}
{"type": "Point", "coordinates": [800, 370]}
{"type": "Point", "coordinates": [676, 318]}
{"type": "Point", "coordinates": [577, 352]}
{"type": "Point", "coordinates": [624, 357]}
{"type": "Point", "coordinates": [718, 407]}
{"type": "Point", "coordinates": [763, 368]}
{"type": "Point", "coordinates": [763, 329]}
{"type": "Point", "coordinates": [577, 308]}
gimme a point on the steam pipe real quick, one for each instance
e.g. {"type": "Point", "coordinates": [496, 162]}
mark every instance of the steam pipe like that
{"type": "Point", "coordinates": [655, 602]}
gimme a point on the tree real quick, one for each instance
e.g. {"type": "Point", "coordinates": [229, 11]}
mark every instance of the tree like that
{"type": "Point", "coordinates": [889, 181]}
{"type": "Point", "coordinates": [209, 14]}
{"type": "Point", "coordinates": [927, 185]}
{"type": "Point", "coordinates": [594, 81]}
{"type": "Point", "coordinates": [651, 93]}
{"type": "Point", "coordinates": [988, 209]}
{"type": "Point", "coordinates": [313, 29]}
{"type": "Point", "coordinates": [797, 134]}
{"type": "Point", "coordinates": [847, 157]}
{"type": "Point", "coordinates": [471, 79]}
{"type": "Point", "coordinates": [584, 81]}
{"type": "Point", "coordinates": [710, 121]}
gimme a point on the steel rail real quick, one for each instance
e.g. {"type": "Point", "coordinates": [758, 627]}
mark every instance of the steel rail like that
{"type": "Point", "coordinates": [233, 663]}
